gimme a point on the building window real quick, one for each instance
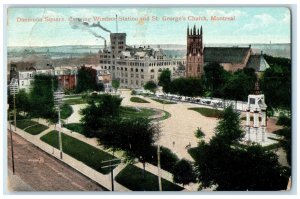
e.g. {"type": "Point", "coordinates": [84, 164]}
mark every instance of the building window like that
{"type": "Point", "coordinates": [125, 69]}
{"type": "Point", "coordinates": [142, 76]}
{"type": "Point", "coordinates": [152, 70]}
{"type": "Point", "coordinates": [136, 70]}
{"type": "Point", "coordinates": [142, 70]}
{"type": "Point", "coordinates": [152, 76]}
{"type": "Point", "coordinates": [131, 75]}
{"type": "Point", "coordinates": [131, 69]}
{"type": "Point", "coordinates": [137, 82]}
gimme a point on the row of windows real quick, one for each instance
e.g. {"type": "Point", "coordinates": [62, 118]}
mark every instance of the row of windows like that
{"type": "Point", "coordinates": [125, 81]}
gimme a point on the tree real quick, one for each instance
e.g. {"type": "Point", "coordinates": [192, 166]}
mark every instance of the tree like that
{"type": "Point", "coordinates": [240, 84]}
{"type": "Point", "coordinates": [134, 135]}
{"type": "Point", "coordinates": [228, 165]}
{"type": "Point", "coordinates": [116, 84]}
{"type": "Point", "coordinates": [214, 78]}
{"type": "Point", "coordinates": [97, 115]}
{"type": "Point", "coordinates": [41, 96]}
{"type": "Point", "coordinates": [183, 172]}
{"type": "Point", "coordinates": [164, 80]}
{"type": "Point", "coordinates": [151, 86]}
{"type": "Point", "coordinates": [23, 101]}
{"type": "Point", "coordinates": [276, 84]}
{"type": "Point", "coordinates": [100, 87]}
{"type": "Point", "coordinates": [199, 133]}
{"type": "Point", "coordinates": [186, 87]}
{"type": "Point", "coordinates": [86, 79]}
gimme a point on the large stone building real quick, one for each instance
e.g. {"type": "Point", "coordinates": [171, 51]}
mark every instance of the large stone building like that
{"type": "Point", "coordinates": [134, 66]}
{"type": "Point", "coordinates": [231, 58]}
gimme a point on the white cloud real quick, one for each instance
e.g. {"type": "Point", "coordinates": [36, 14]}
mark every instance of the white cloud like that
{"type": "Point", "coordinates": [259, 21]}
{"type": "Point", "coordinates": [236, 13]}
{"type": "Point", "coordinates": [264, 19]}
{"type": "Point", "coordinates": [286, 19]}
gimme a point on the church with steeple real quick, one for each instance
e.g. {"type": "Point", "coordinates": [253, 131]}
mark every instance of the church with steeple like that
{"type": "Point", "coordinates": [231, 58]}
{"type": "Point", "coordinates": [194, 54]}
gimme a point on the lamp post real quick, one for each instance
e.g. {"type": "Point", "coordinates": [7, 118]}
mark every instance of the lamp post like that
{"type": "Point", "coordinates": [158, 167]}
{"type": "Point", "coordinates": [58, 96]}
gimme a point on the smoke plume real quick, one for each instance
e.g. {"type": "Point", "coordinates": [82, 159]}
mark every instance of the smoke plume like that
{"type": "Point", "coordinates": [78, 24]}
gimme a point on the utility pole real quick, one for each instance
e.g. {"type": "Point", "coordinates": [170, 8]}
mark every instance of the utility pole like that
{"type": "Point", "coordinates": [158, 166]}
{"type": "Point", "coordinates": [12, 148]}
{"type": "Point", "coordinates": [58, 96]}
{"type": "Point", "coordinates": [13, 90]}
{"type": "Point", "coordinates": [111, 170]}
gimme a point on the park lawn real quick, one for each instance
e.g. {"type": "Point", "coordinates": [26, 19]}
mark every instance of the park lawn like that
{"type": "Point", "coordinates": [76, 127]}
{"type": "Point", "coordinates": [36, 129]}
{"type": "Point", "coordinates": [89, 155]}
{"type": "Point", "coordinates": [66, 111]}
{"type": "Point", "coordinates": [208, 112]}
{"type": "Point", "coordinates": [73, 96]}
{"type": "Point", "coordinates": [166, 116]}
{"type": "Point", "coordinates": [22, 124]}
{"type": "Point", "coordinates": [138, 100]}
{"type": "Point", "coordinates": [131, 112]}
{"type": "Point", "coordinates": [163, 101]}
{"type": "Point", "coordinates": [74, 101]}
{"type": "Point", "coordinates": [132, 178]}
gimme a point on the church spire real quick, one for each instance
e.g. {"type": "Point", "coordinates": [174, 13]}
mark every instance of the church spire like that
{"type": "Point", "coordinates": [187, 30]}
{"type": "Point", "coordinates": [201, 31]}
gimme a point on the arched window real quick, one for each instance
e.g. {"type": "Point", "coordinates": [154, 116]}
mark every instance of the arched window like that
{"type": "Point", "coordinates": [152, 71]}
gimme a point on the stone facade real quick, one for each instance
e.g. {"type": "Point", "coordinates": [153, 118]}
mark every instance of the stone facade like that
{"type": "Point", "coordinates": [134, 66]}
{"type": "Point", "coordinates": [194, 53]}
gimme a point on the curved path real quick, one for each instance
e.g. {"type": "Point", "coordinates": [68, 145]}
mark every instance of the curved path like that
{"type": "Point", "coordinates": [177, 131]}
{"type": "Point", "coordinates": [180, 127]}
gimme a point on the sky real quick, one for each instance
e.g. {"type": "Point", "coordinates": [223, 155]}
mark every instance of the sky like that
{"type": "Point", "coordinates": [250, 25]}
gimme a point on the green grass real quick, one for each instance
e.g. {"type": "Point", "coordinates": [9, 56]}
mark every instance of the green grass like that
{"type": "Point", "coordinates": [73, 96]}
{"type": "Point", "coordinates": [131, 112]}
{"type": "Point", "coordinates": [76, 127]}
{"type": "Point", "coordinates": [22, 124]}
{"type": "Point", "coordinates": [138, 100]}
{"type": "Point", "coordinates": [66, 111]}
{"type": "Point", "coordinates": [207, 112]}
{"type": "Point", "coordinates": [75, 101]}
{"type": "Point", "coordinates": [89, 155]}
{"type": "Point", "coordinates": [166, 116]}
{"type": "Point", "coordinates": [36, 129]}
{"type": "Point", "coordinates": [163, 101]}
{"type": "Point", "coordinates": [132, 178]}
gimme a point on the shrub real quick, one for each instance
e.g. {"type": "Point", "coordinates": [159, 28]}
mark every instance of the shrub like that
{"type": "Point", "coordinates": [183, 172]}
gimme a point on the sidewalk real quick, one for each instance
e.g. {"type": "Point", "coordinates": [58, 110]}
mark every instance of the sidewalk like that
{"type": "Point", "coordinates": [104, 180]}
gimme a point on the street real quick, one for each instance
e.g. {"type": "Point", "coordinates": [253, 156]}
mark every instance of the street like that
{"type": "Point", "coordinates": [35, 170]}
